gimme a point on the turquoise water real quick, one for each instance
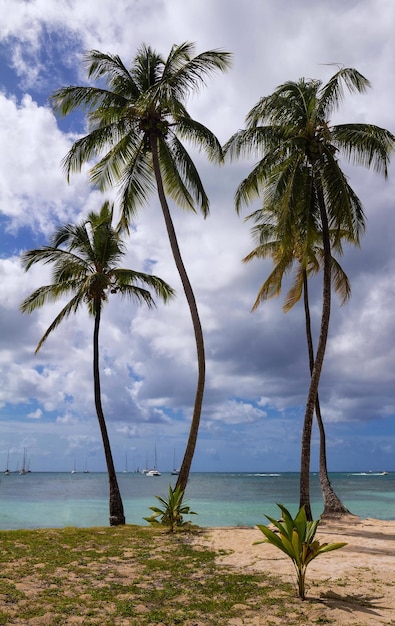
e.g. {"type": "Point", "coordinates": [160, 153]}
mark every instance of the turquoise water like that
{"type": "Point", "coordinates": [50, 500]}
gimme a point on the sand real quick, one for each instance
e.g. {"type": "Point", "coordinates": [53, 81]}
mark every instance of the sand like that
{"type": "Point", "coordinates": [351, 586]}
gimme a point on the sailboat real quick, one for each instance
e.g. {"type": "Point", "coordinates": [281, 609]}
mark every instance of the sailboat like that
{"type": "Point", "coordinates": [153, 471]}
{"type": "Point", "coordinates": [125, 471]}
{"type": "Point", "coordinates": [74, 470]}
{"type": "Point", "coordinates": [7, 471]}
{"type": "Point", "coordinates": [23, 469]}
{"type": "Point", "coordinates": [174, 471]}
{"type": "Point", "coordinates": [145, 470]}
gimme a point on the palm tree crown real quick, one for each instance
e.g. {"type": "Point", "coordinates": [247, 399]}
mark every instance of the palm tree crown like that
{"type": "Point", "coordinates": [302, 250]}
{"type": "Point", "coordinates": [135, 106]}
{"type": "Point", "coordinates": [87, 270]}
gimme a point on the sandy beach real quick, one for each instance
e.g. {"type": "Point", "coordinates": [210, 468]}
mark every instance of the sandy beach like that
{"type": "Point", "coordinates": [351, 586]}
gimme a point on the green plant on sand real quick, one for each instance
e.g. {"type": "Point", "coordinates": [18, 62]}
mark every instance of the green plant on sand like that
{"type": "Point", "coordinates": [172, 512]}
{"type": "Point", "coordinates": [296, 539]}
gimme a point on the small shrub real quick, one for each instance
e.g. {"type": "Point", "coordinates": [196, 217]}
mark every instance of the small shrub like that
{"type": "Point", "coordinates": [296, 540]}
{"type": "Point", "coordinates": [172, 512]}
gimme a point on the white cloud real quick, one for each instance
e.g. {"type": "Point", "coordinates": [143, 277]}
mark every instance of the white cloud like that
{"type": "Point", "coordinates": [33, 189]}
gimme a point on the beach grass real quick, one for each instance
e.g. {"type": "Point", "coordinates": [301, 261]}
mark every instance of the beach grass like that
{"type": "Point", "coordinates": [130, 575]}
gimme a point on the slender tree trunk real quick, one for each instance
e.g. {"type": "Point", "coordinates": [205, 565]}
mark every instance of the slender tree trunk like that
{"type": "Point", "coordinates": [333, 506]}
{"type": "Point", "coordinates": [183, 476]}
{"type": "Point", "coordinates": [319, 359]}
{"type": "Point", "coordinates": [117, 516]}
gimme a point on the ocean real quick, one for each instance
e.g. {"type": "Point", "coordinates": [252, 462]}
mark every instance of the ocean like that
{"type": "Point", "coordinates": [56, 500]}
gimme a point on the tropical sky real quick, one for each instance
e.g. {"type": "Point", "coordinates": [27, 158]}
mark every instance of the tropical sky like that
{"type": "Point", "coordinates": [257, 367]}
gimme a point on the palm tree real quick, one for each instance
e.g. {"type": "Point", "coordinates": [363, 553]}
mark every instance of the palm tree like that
{"type": "Point", "coordinates": [86, 268]}
{"type": "Point", "coordinates": [138, 120]}
{"type": "Point", "coordinates": [291, 129]}
{"type": "Point", "coordinates": [308, 254]}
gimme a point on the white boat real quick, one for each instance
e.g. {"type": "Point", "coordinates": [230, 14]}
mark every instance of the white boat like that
{"type": "Point", "coordinates": [154, 471]}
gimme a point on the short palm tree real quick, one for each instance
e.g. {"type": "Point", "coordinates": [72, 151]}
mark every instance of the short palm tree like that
{"type": "Point", "coordinates": [299, 155]}
{"type": "Point", "coordinates": [138, 122]}
{"type": "Point", "coordinates": [306, 253]}
{"type": "Point", "coordinates": [85, 265]}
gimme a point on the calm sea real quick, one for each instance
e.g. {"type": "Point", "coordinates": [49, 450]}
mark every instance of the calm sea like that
{"type": "Point", "coordinates": [49, 500]}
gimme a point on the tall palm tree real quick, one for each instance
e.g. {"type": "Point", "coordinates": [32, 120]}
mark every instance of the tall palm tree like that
{"type": "Point", "coordinates": [137, 121]}
{"type": "Point", "coordinates": [306, 251]}
{"type": "Point", "coordinates": [85, 265]}
{"type": "Point", "coordinates": [300, 156]}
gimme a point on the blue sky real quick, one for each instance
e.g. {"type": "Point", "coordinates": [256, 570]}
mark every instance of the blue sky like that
{"type": "Point", "coordinates": [257, 370]}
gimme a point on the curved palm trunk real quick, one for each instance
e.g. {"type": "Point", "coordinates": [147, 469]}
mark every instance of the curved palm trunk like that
{"type": "Point", "coordinates": [194, 428]}
{"type": "Point", "coordinates": [319, 359]}
{"type": "Point", "coordinates": [333, 506]}
{"type": "Point", "coordinates": [117, 516]}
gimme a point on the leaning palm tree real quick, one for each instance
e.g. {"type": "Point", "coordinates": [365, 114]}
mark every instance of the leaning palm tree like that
{"type": "Point", "coordinates": [299, 150]}
{"type": "Point", "coordinates": [306, 252]}
{"type": "Point", "coordinates": [85, 265]}
{"type": "Point", "coordinates": [138, 120]}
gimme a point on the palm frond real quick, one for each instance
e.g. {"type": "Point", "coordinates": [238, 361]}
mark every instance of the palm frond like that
{"type": "Point", "coordinates": [201, 137]}
{"type": "Point", "coordinates": [136, 185]}
{"type": "Point", "coordinates": [180, 176]}
{"type": "Point", "coordinates": [344, 208]}
{"type": "Point", "coordinates": [111, 68]}
{"type": "Point", "coordinates": [365, 144]}
{"type": "Point", "coordinates": [340, 282]}
{"type": "Point", "coordinates": [295, 292]}
{"type": "Point", "coordinates": [271, 288]}
{"type": "Point", "coordinates": [331, 95]}
{"type": "Point", "coordinates": [125, 278]}
{"type": "Point", "coordinates": [147, 69]}
{"type": "Point", "coordinates": [109, 170]}
{"type": "Point", "coordinates": [184, 73]}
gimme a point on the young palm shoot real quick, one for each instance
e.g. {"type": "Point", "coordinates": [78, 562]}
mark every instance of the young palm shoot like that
{"type": "Point", "coordinates": [172, 512]}
{"type": "Point", "coordinates": [296, 538]}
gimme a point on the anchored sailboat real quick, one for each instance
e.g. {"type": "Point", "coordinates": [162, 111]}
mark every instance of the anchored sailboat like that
{"type": "Point", "coordinates": [23, 469]}
{"type": "Point", "coordinates": [154, 471]}
{"type": "Point", "coordinates": [175, 471]}
{"type": "Point", "coordinates": [7, 471]}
